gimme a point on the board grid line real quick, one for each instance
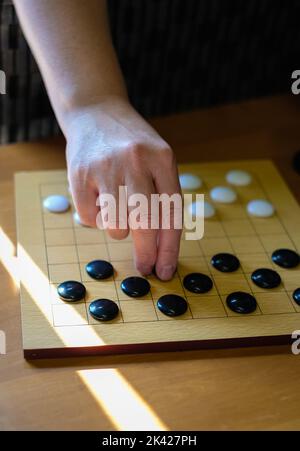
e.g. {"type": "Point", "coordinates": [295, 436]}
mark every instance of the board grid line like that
{"type": "Point", "coordinates": [77, 262]}
{"type": "Point", "coordinates": [248, 238]}
{"type": "Point", "coordinates": [236, 317]}
{"type": "Point", "coordinates": [179, 276]}
{"type": "Point", "coordinates": [250, 219]}
{"type": "Point", "coordinates": [231, 236]}
{"type": "Point", "coordinates": [46, 251]}
{"type": "Point", "coordinates": [77, 254]}
{"type": "Point", "coordinates": [113, 276]}
{"type": "Point", "coordinates": [233, 251]}
{"type": "Point", "coordinates": [286, 231]}
{"type": "Point", "coordinates": [204, 256]}
{"type": "Point", "coordinates": [210, 273]}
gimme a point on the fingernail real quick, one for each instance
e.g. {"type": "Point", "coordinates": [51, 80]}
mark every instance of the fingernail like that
{"type": "Point", "coordinates": [167, 273]}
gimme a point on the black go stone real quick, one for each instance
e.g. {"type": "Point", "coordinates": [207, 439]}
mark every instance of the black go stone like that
{"type": "Point", "coordinates": [99, 269]}
{"type": "Point", "coordinates": [172, 305]}
{"type": "Point", "coordinates": [225, 262]}
{"type": "Point", "coordinates": [286, 258]}
{"type": "Point", "coordinates": [103, 309]}
{"type": "Point", "coordinates": [240, 302]}
{"type": "Point", "coordinates": [197, 282]}
{"type": "Point", "coordinates": [71, 291]}
{"type": "Point", "coordinates": [135, 287]}
{"type": "Point", "coordinates": [296, 296]}
{"type": "Point", "coordinates": [266, 278]}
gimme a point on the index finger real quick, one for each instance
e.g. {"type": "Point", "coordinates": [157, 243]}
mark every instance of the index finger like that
{"type": "Point", "coordinates": [169, 239]}
{"type": "Point", "coordinates": [144, 239]}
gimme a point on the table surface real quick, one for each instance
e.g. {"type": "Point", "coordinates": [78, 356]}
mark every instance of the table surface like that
{"type": "Point", "coordinates": [249, 388]}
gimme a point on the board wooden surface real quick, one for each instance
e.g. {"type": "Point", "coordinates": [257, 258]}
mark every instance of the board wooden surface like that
{"type": "Point", "coordinates": [52, 248]}
{"type": "Point", "coordinates": [228, 389]}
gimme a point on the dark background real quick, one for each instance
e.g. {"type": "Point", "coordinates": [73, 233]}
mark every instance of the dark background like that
{"type": "Point", "coordinates": [176, 55]}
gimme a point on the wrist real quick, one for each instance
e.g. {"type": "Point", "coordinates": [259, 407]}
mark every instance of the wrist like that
{"type": "Point", "coordinates": [88, 110]}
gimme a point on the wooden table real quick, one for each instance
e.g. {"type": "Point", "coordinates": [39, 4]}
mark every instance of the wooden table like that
{"type": "Point", "coordinates": [254, 388]}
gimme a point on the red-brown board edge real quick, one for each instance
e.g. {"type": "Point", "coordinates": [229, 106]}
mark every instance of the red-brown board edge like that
{"type": "Point", "coordinates": [138, 348]}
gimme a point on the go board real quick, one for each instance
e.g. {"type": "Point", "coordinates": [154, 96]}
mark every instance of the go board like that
{"type": "Point", "coordinates": [53, 248]}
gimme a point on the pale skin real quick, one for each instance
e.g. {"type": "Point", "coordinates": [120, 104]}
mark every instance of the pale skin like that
{"type": "Point", "coordinates": [108, 143]}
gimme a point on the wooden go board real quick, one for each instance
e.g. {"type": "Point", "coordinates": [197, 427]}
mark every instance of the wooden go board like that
{"type": "Point", "coordinates": [52, 248]}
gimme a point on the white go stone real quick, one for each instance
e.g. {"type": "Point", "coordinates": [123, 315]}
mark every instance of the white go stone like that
{"type": "Point", "coordinates": [205, 210]}
{"type": "Point", "coordinates": [56, 204]}
{"type": "Point", "coordinates": [223, 194]}
{"type": "Point", "coordinates": [190, 181]}
{"type": "Point", "coordinates": [238, 178]}
{"type": "Point", "coordinates": [260, 208]}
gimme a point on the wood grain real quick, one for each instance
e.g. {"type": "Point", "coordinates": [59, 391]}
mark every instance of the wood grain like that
{"type": "Point", "coordinates": [52, 328]}
{"type": "Point", "coordinates": [255, 388]}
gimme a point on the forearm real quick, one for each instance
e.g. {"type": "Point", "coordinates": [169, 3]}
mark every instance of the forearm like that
{"type": "Point", "coordinates": [108, 143]}
{"type": "Point", "coordinates": [71, 43]}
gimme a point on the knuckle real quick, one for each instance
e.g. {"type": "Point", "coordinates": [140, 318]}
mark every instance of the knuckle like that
{"type": "Point", "coordinates": [135, 148]}
{"type": "Point", "coordinates": [140, 153]}
{"type": "Point", "coordinates": [78, 172]}
{"type": "Point", "coordinates": [104, 164]}
{"type": "Point", "coordinates": [135, 153]}
{"type": "Point", "coordinates": [84, 168]}
{"type": "Point", "coordinates": [168, 157]}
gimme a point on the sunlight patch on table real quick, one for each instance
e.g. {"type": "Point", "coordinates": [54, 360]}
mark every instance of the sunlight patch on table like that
{"type": "Point", "coordinates": [125, 408]}
{"type": "Point", "coordinates": [8, 257]}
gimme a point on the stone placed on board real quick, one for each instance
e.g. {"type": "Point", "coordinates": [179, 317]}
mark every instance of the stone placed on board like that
{"type": "Point", "coordinates": [104, 309]}
{"type": "Point", "coordinates": [266, 278]}
{"type": "Point", "coordinates": [241, 302]}
{"type": "Point", "coordinates": [238, 177]}
{"type": "Point", "coordinates": [296, 296]}
{"type": "Point", "coordinates": [260, 208]}
{"type": "Point", "coordinates": [135, 287]}
{"type": "Point", "coordinates": [99, 269]}
{"type": "Point", "coordinates": [225, 262]}
{"type": "Point", "coordinates": [172, 305]}
{"type": "Point", "coordinates": [71, 291]}
{"type": "Point", "coordinates": [56, 203]}
{"type": "Point", "coordinates": [223, 194]}
{"type": "Point", "coordinates": [286, 258]}
{"type": "Point", "coordinates": [190, 182]}
{"type": "Point", "coordinates": [206, 210]}
{"type": "Point", "coordinates": [197, 282]}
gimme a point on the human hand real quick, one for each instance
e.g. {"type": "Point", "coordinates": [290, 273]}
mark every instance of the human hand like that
{"type": "Point", "coordinates": [110, 145]}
